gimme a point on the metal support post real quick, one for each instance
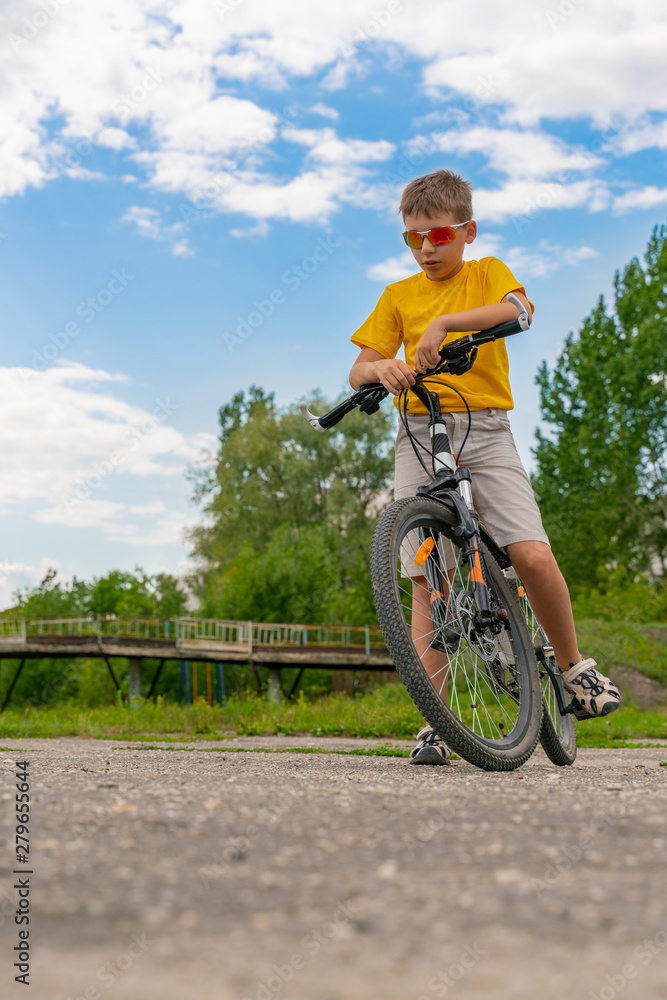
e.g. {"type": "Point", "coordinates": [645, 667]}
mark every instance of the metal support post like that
{"type": "Point", "coordinates": [221, 694]}
{"type": "Point", "coordinates": [185, 683]}
{"type": "Point", "coordinates": [275, 693]}
{"type": "Point", "coordinates": [11, 686]}
{"type": "Point", "coordinates": [135, 681]}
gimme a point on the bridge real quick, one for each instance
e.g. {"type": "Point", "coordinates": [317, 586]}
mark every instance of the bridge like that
{"type": "Point", "coordinates": [211, 640]}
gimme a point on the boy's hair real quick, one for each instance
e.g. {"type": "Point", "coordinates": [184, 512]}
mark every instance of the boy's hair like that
{"type": "Point", "coordinates": [441, 191]}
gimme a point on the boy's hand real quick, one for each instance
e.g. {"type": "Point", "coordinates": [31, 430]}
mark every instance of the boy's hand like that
{"type": "Point", "coordinates": [394, 374]}
{"type": "Point", "coordinates": [427, 354]}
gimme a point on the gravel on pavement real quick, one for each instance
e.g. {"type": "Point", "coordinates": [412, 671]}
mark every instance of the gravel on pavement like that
{"type": "Point", "coordinates": [167, 871]}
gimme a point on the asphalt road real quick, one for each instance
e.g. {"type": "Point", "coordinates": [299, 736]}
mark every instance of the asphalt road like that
{"type": "Point", "coordinates": [163, 874]}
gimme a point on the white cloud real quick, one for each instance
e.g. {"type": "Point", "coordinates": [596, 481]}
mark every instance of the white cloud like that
{"type": "Point", "coordinates": [525, 199]}
{"type": "Point", "coordinates": [393, 269]}
{"type": "Point", "coordinates": [633, 136]}
{"type": "Point", "coordinates": [605, 58]}
{"type": "Point", "coordinates": [149, 223]}
{"type": "Point", "coordinates": [486, 245]}
{"type": "Point", "coordinates": [261, 228]}
{"type": "Point", "coordinates": [325, 147]}
{"type": "Point", "coordinates": [325, 111]}
{"type": "Point", "coordinates": [152, 83]}
{"type": "Point", "coordinates": [17, 576]}
{"type": "Point", "coordinates": [641, 198]}
{"type": "Point", "coordinates": [213, 124]}
{"type": "Point", "coordinates": [546, 259]}
{"type": "Point", "coordinates": [516, 153]}
{"type": "Point", "coordinates": [117, 138]}
{"type": "Point", "coordinates": [66, 439]}
{"type": "Point", "coordinates": [150, 524]}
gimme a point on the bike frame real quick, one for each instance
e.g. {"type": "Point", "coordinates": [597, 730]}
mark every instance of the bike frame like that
{"type": "Point", "coordinates": [452, 485]}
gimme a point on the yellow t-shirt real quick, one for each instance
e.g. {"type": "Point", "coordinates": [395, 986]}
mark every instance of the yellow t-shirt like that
{"type": "Point", "coordinates": [406, 308]}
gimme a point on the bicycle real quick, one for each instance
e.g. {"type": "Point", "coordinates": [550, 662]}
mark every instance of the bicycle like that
{"type": "Point", "coordinates": [466, 645]}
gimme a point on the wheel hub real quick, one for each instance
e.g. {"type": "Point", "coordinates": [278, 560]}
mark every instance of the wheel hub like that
{"type": "Point", "coordinates": [485, 645]}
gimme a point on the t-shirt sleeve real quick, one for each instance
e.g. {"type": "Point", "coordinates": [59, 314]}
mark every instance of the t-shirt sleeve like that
{"type": "Point", "coordinates": [382, 330]}
{"type": "Point", "coordinates": [499, 281]}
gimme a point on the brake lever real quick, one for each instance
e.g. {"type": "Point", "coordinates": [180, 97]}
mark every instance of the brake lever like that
{"type": "Point", "coordinates": [462, 364]}
{"type": "Point", "coordinates": [453, 366]}
{"type": "Point", "coordinates": [368, 398]}
{"type": "Point", "coordinates": [375, 395]}
{"type": "Point", "coordinates": [311, 418]}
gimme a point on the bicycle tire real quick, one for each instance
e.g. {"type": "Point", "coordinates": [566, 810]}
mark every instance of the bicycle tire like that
{"type": "Point", "coordinates": [558, 734]}
{"type": "Point", "coordinates": [509, 675]}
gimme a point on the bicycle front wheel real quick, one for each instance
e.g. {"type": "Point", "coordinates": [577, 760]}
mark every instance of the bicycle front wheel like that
{"type": "Point", "coordinates": [477, 685]}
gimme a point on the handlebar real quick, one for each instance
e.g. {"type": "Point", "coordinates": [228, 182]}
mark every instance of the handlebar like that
{"type": "Point", "coordinates": [457, 358]}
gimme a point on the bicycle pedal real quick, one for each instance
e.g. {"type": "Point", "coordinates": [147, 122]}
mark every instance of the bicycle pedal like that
{"type": "Point", "coordinates": [576, 709]}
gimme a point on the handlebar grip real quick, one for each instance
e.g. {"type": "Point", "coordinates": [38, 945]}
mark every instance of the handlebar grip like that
{"type": "Point", "coordinates": [367, 398]}
{"type": "Point", "coordinates": [502, 330]}
{"type": "Point", "coordinates": [331, 418]}
{"type": "Point", "coordinates": [336, 415]}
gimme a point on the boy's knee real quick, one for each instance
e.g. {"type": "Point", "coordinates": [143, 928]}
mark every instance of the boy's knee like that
{"type": "Point", "coordinates": [531, 558]}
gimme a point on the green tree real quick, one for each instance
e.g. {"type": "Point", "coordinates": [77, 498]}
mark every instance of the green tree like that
{"type": "Point", "coordinates": [117, 592]}
{"type": "Point", "coordinates": [52, 598]}
{"type": "Point", "coordinates": [48, 680]}
{"type": "Point", "coordinates": [601, 477]}
{"type": "Point", "coordinates": [274, 482]}
{"type": "Point", "coordinates": [137, 594]}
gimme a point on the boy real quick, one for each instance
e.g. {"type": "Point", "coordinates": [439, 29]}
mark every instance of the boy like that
{"type": "Point", "coordinates": [453, 296]}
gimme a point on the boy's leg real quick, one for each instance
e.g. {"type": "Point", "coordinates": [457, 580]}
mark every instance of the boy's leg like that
{"type": "Point", "coordinates": [550, 601]}
{"type": "Point", "coordinates": [549, 597]}
{"type": "Point", "coordinates": [430, 748]}
{"type": "Point", "coordinates": [434, 660]}
{"type": "Point", "coordinates": [409, 475]}
{"type": "Point", "coordinates": [507, 506]}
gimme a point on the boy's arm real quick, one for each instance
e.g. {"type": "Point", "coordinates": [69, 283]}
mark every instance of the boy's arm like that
{"type": "Point", "coordinates": [427, 353]}
{"type": "Point", "coordinates": [371, 366]}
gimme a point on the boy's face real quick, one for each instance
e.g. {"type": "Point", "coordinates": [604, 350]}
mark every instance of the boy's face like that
{"type": "Point", "coordinates": [446, 259]}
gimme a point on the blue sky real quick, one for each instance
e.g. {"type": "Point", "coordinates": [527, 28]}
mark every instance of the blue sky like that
{"type": "Point", "coordinates": [165, 167]}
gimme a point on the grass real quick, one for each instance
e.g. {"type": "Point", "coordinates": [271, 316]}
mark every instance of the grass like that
{"type": "Point", "coordinates": [627, 646]}
{"type": "Point", "coordinates": [385, 713]}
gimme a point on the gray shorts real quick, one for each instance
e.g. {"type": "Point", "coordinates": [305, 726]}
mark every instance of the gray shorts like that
{"type": "Point", "coordinates": [501, 489]}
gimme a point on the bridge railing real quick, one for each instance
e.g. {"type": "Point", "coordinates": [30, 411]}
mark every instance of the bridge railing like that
{"type": "Point", "coordinates": [12, 628]}
{"type": "Point", "coordinates": [270, 633]}
{"type": "Point", "coordinates": [176, 630]}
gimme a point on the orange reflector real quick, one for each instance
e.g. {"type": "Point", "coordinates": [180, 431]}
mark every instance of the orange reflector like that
{"type": "Point", "coordinates": [424, 551]}
{"type": "Point", "coordinates": [476, 571]}
{"type": "Point", "coordinates": [435, 594]}
{"type": "Point", "coordinates": [521, 591]}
